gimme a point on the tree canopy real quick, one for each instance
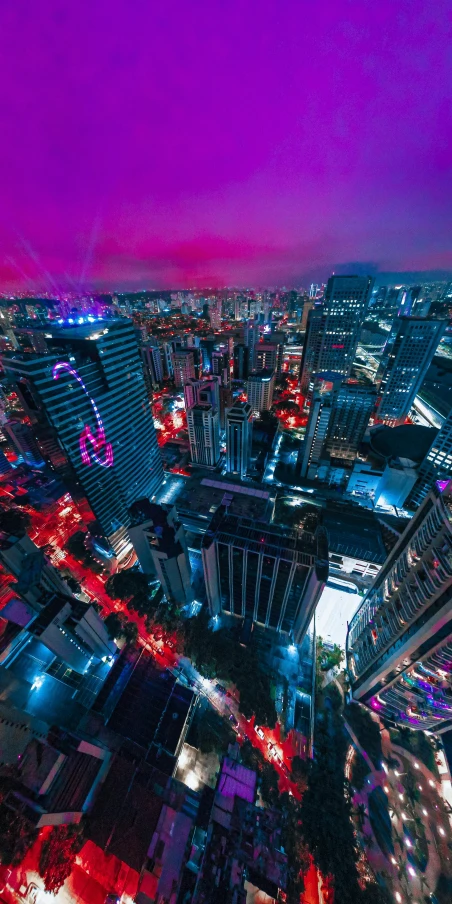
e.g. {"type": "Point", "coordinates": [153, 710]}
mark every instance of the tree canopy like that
{"type": "Point", "coordinates": [126, 584]}
{"type": "Point", "coordinates": [58, 853]}
{"type": "Point", "coordinates": [14, 521]}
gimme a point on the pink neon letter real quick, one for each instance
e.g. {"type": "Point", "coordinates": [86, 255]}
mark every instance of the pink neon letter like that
{"type": "Point", "coordinates": [98, 441]}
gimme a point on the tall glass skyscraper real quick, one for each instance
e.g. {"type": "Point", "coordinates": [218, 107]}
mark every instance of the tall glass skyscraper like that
{"type": "Point", "coordinates": [264, 572]}
{"type": "Point", "coordinates": [413, 344]}
{"type": "Point", "coordinates": [88, 406]}
{"type": "Point", "coordinates": [399, 643]}
{"type": "Point", "coordinates": [333, 330]}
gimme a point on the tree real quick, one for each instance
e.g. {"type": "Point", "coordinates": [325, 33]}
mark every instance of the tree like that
{"type": "Point", "coordinates": [299, 769]}
{"type": "Point", "coordinates": [114, 625]}
{"type": "Point", "coordinates": [130, 632]}
{"type": "Point", "coordinates": [58, 853]}
{"type": "Point", "coordinates": [75, 545]}
{"type": "Point", "coordinates": [118, 626]}
{"type": "Point", "coordinates": [213, 733]}
{"type": "Point", "coordinates": [374, 894]}
{"type": "Point", "coordinates": [17, 833]}
{"type": "Point", "coordinates": [325, 810]}
{"type": "Point", "coordinates": [74, 585]}
{"type": "Point", "coordinates": [14, 521]}
{"type": "Point", "coordinates": [127, 584]}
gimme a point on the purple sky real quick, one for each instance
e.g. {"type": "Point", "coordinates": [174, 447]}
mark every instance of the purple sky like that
{"type": "Point", "coordinates": [210, 142]}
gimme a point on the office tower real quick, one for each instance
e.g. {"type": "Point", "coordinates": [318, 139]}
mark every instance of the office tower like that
{"type": "Point", "coordinates": [251, 336]}
{"type": "Point", "coordinates": [313, 290]}
{"type": "Point", "coordinates": [437, 464]}
{"type": "Point", "coordinates": [332, 335]}
{"type": "Point", "coordinates": [267, 310]}
{"type": "Point", "coordinates": [221, 367]}
{"type": "Point", "coordinates": [5, 465]}
{"type": "Point", "coordinates": [307, 306]}
{"type": "Point", "coordinates": [87, 403]}
{"type": "Point", "coordinates": [152, 362]}
{"type": "Point", "coordinates": [260, 571]}
{"type": "Point", "coordinates": [311, 348]}
{"type": "Point", "coordinates": [316, 429]}
{"type": "Point", "coordinates": [206, 391]}
{"type": "Point", "coordinates": [34, 576]}
{"type": "Point", "coordinates": [166, 351]}
{"type": "Point", "coordinates": [203, 422]}
{"type": "Point", "coordinates": [23, 442]}
{"type": "Point", "coordinates": [399, 642]}
{"type": "Point", "coordinates": [241, 362]}
{"type": "Point", "coordinates": [353, 404]}
{"type": "Point", "coordinates": [239, 436]}
{"type": "Point", "coordinates": [411, 354]}
{"type": "Point", "coordinates": [260, 388]}
{"type": "Point", "coordinates": [215, 314]}
{"type": "Point", "coordinates": [268, 355]}
{"type": "Point", "coordinates": [158, 538]}
{"type": "Point", "coordinates": [183, 362]}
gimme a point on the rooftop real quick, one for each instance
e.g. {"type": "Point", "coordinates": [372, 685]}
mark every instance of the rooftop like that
{"type": "Point", "coordinates": [409, 441]}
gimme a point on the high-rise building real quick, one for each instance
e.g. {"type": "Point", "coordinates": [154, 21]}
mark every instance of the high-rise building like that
{"type": "Point", "coordinates": [411, 354]}
{"type": "Point", "coordinates": [333, 330]}
{"type": "Point", "coordinates": [239, 436]}
{"type": "Point", "coordinates": [399, 642]}
{"type": "Point", "coordinates": [215, 314]}
{"type": "Point", "coordinates": [87, 403]}
{"type": "Point", "coordinates": [316, 431]}
{"type": "Point", "coordinates": [203, 422]}
{"type": "Point", "coordinates": [251, 336]}
{"type": "Point", "coordinates": [263, 572]}
{"type": "Point", "coordinates": [183, 363]}
{"type": "Point", "coordinates": [308, 305]}
{"type": "Point", "coordinates": [158, 538]}
{"type": "Point", "coordinates": [23, 442]}
{"type": "Point", "coordinates": [437, 464]}
{"type": "Point", "coordinates": [353, 404]}
{"type": "Point", "coordinates": [206, 391]}
{"type": "Point", "coordinates": [268, 355]}
{"type": "Point", "coordinates": [152, 362]}
{"type": "Point", "coordinates": [241, 362]}
{"type": "Point", "coordinates": [311, 349]}
{"type": "Point", "coordinates": [221, 367]}
{"type": "Point", "coordinates": [260, 388]}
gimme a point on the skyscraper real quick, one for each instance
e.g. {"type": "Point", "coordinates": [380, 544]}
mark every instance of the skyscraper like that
{"type": "Point", "coordinates": [251, 336]}
{"type": "Point", "coordinates": [264, 572]}
{"type": "Point", "coordinates": [268, 355]}
{"type": "Point", "coordinates": [411, 354]}
{"type": "Point", "coordinates": [333, 330]}
{"type": "Point", "coordinates": [399, 642]}
{"type": "Point", "coordinates": [316, 431]}
{"type": "Point", "coordinates": [260, 388]}
{"type": "Point", "coordinates": [437, 464]}
{"type": "Point", "coordinates": [87, 403]}
{"type": "Point", "coordinates": [241, 362]}
{"type": "Point", "coordinates": [152, 362]}
{"type": "Point", "coordinates": [239, 435]}
{"type": "Point", "coordinates": [158, 538]}
{"type": "Point", "coordinates": [220, 367]}
{"type": "Point", "coordinates": [203, 422]}
{"type": "Point", "coordinates": [183, 363]}
{"type": "Point", "coordinates": [206, 391]}
{"type": "Point", "coordinates": [353, 404]}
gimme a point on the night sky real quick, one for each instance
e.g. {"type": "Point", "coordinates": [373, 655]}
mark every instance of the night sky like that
{"type": "Point", "coordinates": [217, 142]}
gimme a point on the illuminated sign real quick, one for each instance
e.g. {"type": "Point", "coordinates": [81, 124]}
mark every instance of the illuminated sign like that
{"type": "Point", "coordinates": [97, 440]}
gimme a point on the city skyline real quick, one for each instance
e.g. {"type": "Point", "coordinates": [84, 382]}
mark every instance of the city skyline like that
{"type": "Point", "coordinates": [246, 147]}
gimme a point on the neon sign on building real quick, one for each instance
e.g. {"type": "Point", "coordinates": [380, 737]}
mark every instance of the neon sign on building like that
{"type": "Point", "coordinates": [97, 440]}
